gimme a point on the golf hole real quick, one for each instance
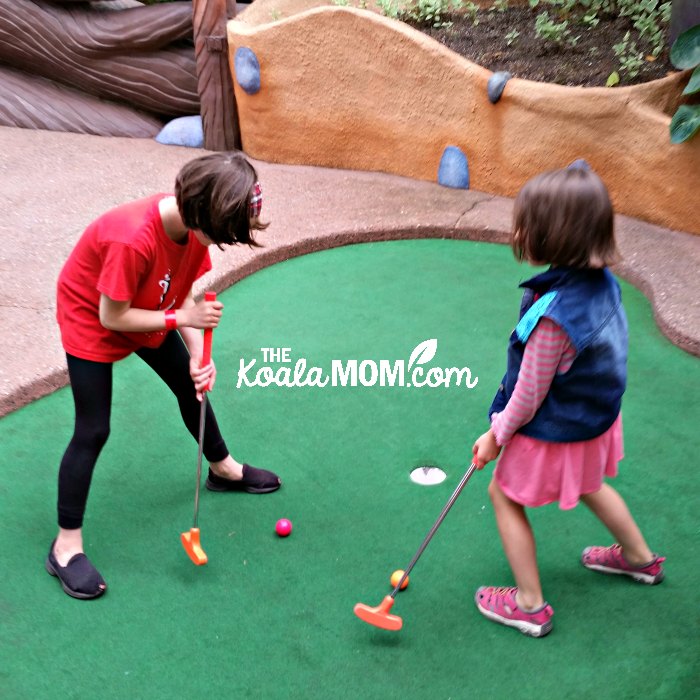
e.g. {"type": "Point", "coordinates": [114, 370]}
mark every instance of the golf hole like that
{"type": "Point", "coordinates": [428, 475]}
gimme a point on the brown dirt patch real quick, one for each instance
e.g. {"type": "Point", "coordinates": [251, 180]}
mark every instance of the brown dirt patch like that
{"type": "Point", "coordinates": [587, 63]}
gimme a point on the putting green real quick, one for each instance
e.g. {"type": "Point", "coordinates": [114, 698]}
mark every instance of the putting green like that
{"type": "Point", "coordinates": [271, 617]}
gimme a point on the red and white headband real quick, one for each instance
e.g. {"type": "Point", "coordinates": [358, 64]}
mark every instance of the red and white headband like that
{"type": "Point", "coordinates": [256, 201]}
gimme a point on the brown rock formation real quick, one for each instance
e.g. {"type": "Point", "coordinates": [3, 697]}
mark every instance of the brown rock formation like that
{"type": "Point", "coordinates": [141, 57]}
{"type": "Point", "coordinates": [31, 102]}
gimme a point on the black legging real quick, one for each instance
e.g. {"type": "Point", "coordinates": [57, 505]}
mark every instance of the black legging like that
{"type": "Point", "coordinates": [91, 383]}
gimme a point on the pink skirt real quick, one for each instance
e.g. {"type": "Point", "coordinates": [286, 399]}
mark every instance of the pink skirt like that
{"type": "Point", "coordinates": [534, 473]}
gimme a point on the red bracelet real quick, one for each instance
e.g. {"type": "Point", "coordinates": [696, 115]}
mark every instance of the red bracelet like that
{"type": "Point", "coordinates": [170, 320]}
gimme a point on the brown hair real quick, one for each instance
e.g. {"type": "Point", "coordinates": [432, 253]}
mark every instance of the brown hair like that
{"type": "Point", "coordinates": [564, 217]}
{"type": "Point", "coordinates": [213, 195]}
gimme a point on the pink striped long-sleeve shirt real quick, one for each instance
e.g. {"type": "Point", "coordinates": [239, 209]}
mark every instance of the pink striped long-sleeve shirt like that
{"type": "Point", "coordinates": [548, 351]}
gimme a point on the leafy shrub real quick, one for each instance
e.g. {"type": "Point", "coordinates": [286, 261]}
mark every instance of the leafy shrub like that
{"type": "Point", "coordinates": [549, 30]}
{"type": "Point", "coordinates": [630, 57]}
{"type": "Point", "coordinates": [685, 54]}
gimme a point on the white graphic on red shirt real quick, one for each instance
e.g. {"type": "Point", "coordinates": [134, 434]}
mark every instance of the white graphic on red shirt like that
{"type": "Point", "coordinates": [164, 284]}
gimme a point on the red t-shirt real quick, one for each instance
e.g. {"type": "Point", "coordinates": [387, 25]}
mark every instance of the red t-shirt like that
{"type": "Point", "coordinates": [127, 256]}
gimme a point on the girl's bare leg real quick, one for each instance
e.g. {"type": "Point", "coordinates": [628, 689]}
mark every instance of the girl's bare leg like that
{"type": "Point", "coordinates": [610, 508]}
{"type": "Point", "coordinates": [519, 546]}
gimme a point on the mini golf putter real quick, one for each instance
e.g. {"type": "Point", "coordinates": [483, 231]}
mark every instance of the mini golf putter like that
{"type": "Point", "coordinates": [381, 616]}
{"type": "Point", "coordinates": [191, 543]}
{"type": "Point", "coordinates": [190, 540]}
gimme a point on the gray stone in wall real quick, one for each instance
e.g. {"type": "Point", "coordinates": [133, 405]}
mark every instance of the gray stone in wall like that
{"type": "Point", "coordinates": [496, 84]}
{"type": "Point", "coordinates": [454, 169]}
{"type": "Point", "coordinates": [247, 69]}
{"type": "Point", "coordinates": [183, 131]}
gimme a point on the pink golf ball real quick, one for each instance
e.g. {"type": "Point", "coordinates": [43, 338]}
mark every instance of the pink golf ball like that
{"type": "Point", "coordinates": [283, 527]}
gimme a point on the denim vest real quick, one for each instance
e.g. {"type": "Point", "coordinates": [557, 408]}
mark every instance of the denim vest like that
{"type": "Point", "coordinates": [583, 402]}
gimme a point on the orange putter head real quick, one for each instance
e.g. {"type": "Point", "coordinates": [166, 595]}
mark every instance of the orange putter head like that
{"type": "Point", "coordinates": [379, 616]}
{"type": "Point", "coordinates": [190, 541]}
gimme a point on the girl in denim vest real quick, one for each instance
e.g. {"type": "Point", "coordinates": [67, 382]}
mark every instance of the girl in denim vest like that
{"type": "Point", "coordinates": [556, 415]}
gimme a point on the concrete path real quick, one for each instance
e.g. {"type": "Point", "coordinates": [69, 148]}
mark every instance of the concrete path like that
{"type": "Point", "coordinates": [53, 184]}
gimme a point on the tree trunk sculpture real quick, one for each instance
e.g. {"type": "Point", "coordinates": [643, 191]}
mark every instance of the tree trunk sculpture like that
{"type": "Point", "coordinates": [219, 116]}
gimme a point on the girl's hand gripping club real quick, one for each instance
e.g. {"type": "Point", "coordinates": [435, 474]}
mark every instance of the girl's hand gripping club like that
{"type": "Point", "coordinates": [190, 540]}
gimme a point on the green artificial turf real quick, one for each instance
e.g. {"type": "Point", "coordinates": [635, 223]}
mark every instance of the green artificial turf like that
{"type": "Point", "coordinates": [271, 617]}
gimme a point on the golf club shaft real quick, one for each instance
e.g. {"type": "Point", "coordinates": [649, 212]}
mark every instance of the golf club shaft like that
{"type": "Point", "coordinates": [202, 421]}
{"type": "Point", "coordinates": [434, 528]}
{"type": "Point", "coordinates": [206, 359]}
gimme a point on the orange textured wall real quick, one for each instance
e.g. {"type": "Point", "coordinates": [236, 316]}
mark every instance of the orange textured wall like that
{"type": "Point", "coordinates": [348, 88]}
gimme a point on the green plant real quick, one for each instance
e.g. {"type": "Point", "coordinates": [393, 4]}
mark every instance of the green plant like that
{"type": "Point", "coordinates": [431, 12]}
{"type": "Point", "coordinates": [630, 57]}
{"type": "Point", "coordinates": [390, 8]}
{"type": "Point", "coordinates": [563, 7]}
{"type": "Point", "coordinates": [613, 79]}
{"type": "Point", "coordinates": [648, 18]}
{"type": "Point", "coordinates": [549, 30]}
{"type": "Point", "coordinates": [512, 36]}
{"type": "Point", "coordinates": [591, 19]}
{"type": "Point", "coordinates": [428, 12]}
{"type": "Point", "coordinates": [647, 38]}
{"type": "Point", "coordinates": [471, 11]}
{"type": "Point", "coordinates": [685, 54]}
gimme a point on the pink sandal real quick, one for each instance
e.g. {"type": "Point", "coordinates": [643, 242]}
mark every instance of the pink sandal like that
{"type": "Point", "coordinates": [499, 605]}
{"type": "Point", "coordinates": [610, 560]}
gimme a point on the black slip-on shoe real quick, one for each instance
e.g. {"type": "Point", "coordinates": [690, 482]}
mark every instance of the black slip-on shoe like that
{"type": "Point", "coordinates": [79, 578]}
{"type": "Point", "coordinates": [254, 481]}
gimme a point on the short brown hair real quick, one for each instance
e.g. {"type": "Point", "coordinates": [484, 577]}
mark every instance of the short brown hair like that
{"type": "Point", "coordinates": [213, 195]}
{"type": "Point", "coordinates": [564, 217]}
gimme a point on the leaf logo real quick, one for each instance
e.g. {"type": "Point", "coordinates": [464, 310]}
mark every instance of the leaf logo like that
{"type": "Point", "coordinates": [423, 352]}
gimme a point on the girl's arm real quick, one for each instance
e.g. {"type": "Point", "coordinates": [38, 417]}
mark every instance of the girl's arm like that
{"type": "Point", "coordinates": [191, 335]}
{"type": "Point", "coordinates": [204, 378]}
{"type": "Point", "coordinates": [547, 352]}
{"type": "Point", "coordinates": [120, 316]}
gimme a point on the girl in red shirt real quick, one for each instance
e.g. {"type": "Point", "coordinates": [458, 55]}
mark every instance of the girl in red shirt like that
{"type": "Point", "coordinates": [126, 288]}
